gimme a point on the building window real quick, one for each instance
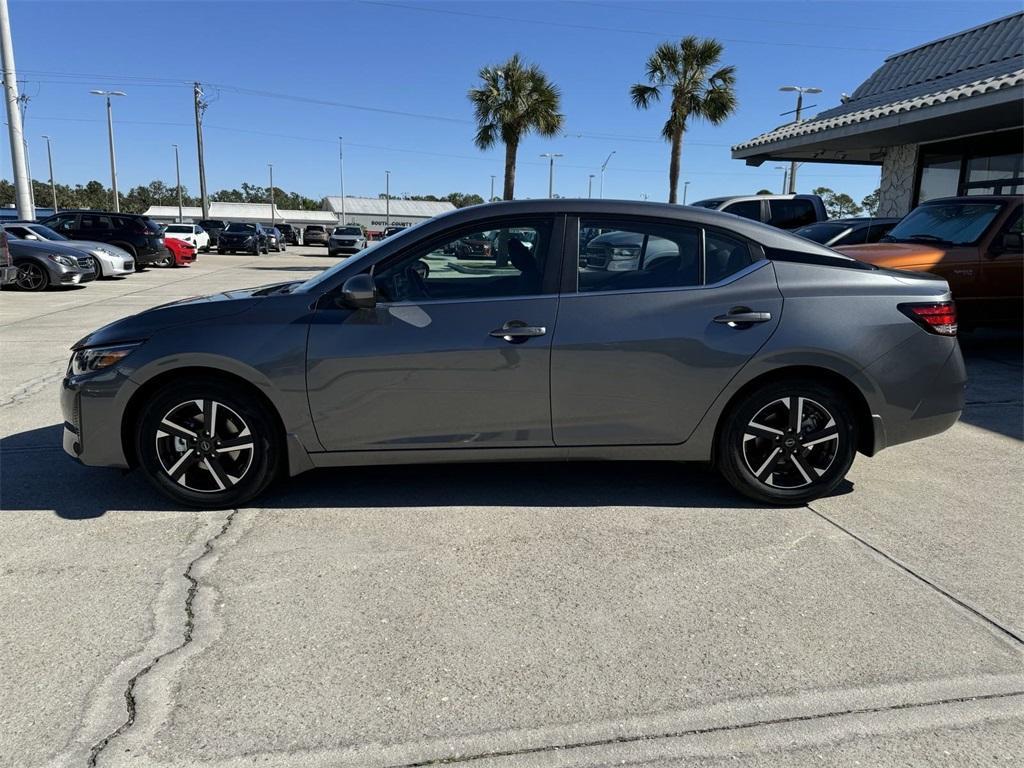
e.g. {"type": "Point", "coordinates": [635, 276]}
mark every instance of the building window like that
{"type": "Point", "coordinates": [995, 175]}
{"type": "Point", "coordinates": [940, 176]}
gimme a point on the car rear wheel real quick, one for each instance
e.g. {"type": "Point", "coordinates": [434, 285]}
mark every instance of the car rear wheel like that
{"type": "Point", "coordinates": [787, 443]}
{"type": "Point", "coordinates": [31, 276]}
{"type": "Point", "coordinates": [206, 445]}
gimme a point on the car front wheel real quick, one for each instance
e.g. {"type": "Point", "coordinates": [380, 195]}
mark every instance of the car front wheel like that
{"type": "Point", "coordinates": [207, 445]}
{"type": "Point", "coordinates": [787, 443]}
{"type": "Point", "coordinates": [31, 277]}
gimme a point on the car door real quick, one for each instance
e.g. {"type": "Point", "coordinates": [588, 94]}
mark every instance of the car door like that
{"type": "Point", "coordinates": [643, 347]}
{"type": "Point", "coordinates": [1002, 269]}
{"type": "Point", "coordinates": [456, 353]}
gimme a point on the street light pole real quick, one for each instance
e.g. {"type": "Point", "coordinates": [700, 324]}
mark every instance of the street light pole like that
{"type": "Point", "coordinates": [686, 188]}
{"type": "Point", "coordinates": [551, 171]}
{"type": "Point", "coordinates": [800, 91]}
{"type": "Point", "coordinates": [489, 199]}
{"type": "Point", "coordinates": [387, 199]}
{"type": "Point", "coordinates": [49, 159]}
{"type": "Point", "coordinates": [785, 176]}
{"type": "Point", "coordinates": [604, 165]}
{"type": "Point", "coordinates": [341, 174]}
{"type": "Point", "coordinates": [273, 221]}
{"type": "Point", "coordinates": [590, 186]}
{"type": "Point", "coordinates": [110, 141]}
{"type": "Point", "coordinates": [177, 177]}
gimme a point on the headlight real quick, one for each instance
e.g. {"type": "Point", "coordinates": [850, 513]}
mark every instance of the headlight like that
{"type": "Point", "coordinates": [98, 358]}
{"type": "Point", "coordinates": [67, 261]}
{"type": "Point", "coordinates": [625, 253]}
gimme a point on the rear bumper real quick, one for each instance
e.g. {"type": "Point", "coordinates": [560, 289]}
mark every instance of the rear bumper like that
{"type": "Point", "coordinates": [146, 259]}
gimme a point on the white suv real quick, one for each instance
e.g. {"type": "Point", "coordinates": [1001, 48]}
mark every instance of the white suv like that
{"type": "Point", "coordinates": [193, 234]}
{"type": "Point", "coordinates": [346, 240]}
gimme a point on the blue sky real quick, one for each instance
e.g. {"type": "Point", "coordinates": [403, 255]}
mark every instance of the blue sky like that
{"type": "Point", "coordinates": [420, 58]}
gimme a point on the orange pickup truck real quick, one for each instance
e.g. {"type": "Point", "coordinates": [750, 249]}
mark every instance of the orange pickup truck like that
{"type": "Point", "coordinates": [974, 243]}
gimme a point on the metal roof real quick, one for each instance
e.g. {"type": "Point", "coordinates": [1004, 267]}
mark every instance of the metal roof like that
{"type": "Point", "coordinates": [376, 206]}
{"type": "Point", "coordinates": [980, 60]}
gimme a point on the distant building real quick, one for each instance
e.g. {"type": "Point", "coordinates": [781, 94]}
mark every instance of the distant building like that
{"type": "Point", "coordinates": [249, 213]}
{"type": "Point", "coordinates": [944, 118]}
{"type": "Point", "coordinates": [372, 212]}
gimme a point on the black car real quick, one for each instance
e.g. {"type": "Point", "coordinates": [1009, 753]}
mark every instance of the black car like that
{"type": "Point", "coordinates": [389, 231]}
{"type": "Point", "coordinates": [289, 234]}
{"type": "Point", "coordinates": [139, 235]}
{"type": "Point", "coordinates": [250, 238]}
{"type": "Point", "coordinates": [213, 228]}
{"type": "Point", "coordinates": [848, 231]}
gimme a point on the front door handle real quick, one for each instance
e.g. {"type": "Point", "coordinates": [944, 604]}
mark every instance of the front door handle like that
{"type": "Point", "coordinates": [741, 317]}
{"type": "Point", "coordinates": [516, 331]}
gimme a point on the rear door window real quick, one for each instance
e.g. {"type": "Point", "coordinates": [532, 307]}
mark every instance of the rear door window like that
{"type": "Point", "coordinates": [790, 214]}
{"type": "Point", "coordinates": [748, 209]}
{"type": "Point", "coordinates": [623, 255]}
{"type": "Point", "coordinates": [724, 255]}
{"type": "Point", "coordinates": [92, 222]}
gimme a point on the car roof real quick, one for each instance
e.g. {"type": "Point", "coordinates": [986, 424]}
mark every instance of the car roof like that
{"type": "Point", "coordinates": [98, 213]}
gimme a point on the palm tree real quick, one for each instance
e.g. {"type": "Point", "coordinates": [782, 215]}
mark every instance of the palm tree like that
{"type": "Point", "coordinates": [512, 100]}
{"type": "Point", "coordinates": [685, 70]}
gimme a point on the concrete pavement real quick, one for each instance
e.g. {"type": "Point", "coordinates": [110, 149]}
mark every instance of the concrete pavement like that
{"type": "Point", "coordinates": [542, 615]}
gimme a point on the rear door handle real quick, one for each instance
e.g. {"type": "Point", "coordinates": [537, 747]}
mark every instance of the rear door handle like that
{"type": "Point", "coordinates": [743, 318]}
{"type": "Point", "coordinates": [516, 331]}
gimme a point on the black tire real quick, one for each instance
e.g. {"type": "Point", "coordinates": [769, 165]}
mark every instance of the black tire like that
{"type": "Point", "coordinates": [205, 477]}
{"type": "Point", "coordinates": [31, 276]}
{"type": "Point", "coordinates": [221, 251]}
{"type": "Point", "coordinates": [166, 261]}
{"type": "Point", "coordinates": [764, 457]}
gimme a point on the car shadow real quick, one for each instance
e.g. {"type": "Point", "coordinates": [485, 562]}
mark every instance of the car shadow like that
{"type": "Point", "coordinates": [37, 475]}
{"type": "Point", "coordinates": [995, 392]}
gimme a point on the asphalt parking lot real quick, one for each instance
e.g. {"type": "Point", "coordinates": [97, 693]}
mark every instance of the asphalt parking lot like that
{"type": "Point", "coordinates": [541, 615]}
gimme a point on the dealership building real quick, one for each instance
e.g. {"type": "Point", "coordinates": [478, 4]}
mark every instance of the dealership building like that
{"type": "Point", "coordinates": [942, 119]}
{"type": "Point", "coordinates": [375, 213]}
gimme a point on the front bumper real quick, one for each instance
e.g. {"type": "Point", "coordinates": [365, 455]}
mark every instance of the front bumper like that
{"type": "Point", "coordinates": [93, 406]}
{"type": "Point", "coordinates": [114, 266]}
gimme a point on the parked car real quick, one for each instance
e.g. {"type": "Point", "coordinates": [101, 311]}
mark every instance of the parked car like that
{"type": "Point", "coordinates": [138, 235]}
{"type": "Point", "coordinates": [42, 264]}
{"type": "Point", "coordinates": [346, 240]}
{"type": "Point", "coordinates": [181, 253]}
{"type": "Point", "coordinates": [111, 261]}
{"type": "Point", "coordinates": [250, 238]}
{"type": "Point", "coordinates": [847, 231]}
{"type": "Point", "coordinates": [974, 243]}
{"type": "Point", "coordinates": [480, 245]}
{"type": "Point", "coordinates": [389, 231]}
{"type": "Point", "coordinates": [314, 234]}
{"type": "Point", "coordinates": [190, 233]}
{"type": "Point", "coordinates": [289, 234]}
{"type": "Point", "coordinates": [782, 211]}
{"type": "Point", "coordinates": [275, 239]}
{"type": "Point", "coordinates": [770, 355]}
{"type": "Point", "coordinates": [8, 272]}
{"type": "Point", "coordinates": [213, 228]}
{"type": "Point", "coordinates": [618, 251]}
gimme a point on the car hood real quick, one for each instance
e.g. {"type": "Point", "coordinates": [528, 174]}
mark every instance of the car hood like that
{"type": "Point", "coordinates": [92, 245]}
{"type": "Point", "coordinates": [197, 309]}
{"type": "Point", "coordinates": [42, 248]}
{"type": "Point", "coordinates": [895, 255]}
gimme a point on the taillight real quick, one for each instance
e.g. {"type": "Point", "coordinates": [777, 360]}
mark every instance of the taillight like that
{"type": "Point", "coordinates": [935, 317]}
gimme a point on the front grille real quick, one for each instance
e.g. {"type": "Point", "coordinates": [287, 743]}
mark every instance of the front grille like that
{"type": "Point", "coordinates": [596, 257]}
{"type": "Point", "coordinates": [129, 264]}
{"type": "Point", "coordinates": [85, 262]}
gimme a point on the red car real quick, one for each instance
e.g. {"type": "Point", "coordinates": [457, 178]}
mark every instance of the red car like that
{"type": "Point", "coordinates": [183, 253]}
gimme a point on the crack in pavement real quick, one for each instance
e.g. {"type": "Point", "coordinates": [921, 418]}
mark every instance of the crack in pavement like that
{"type": "Point", "coordinates": [187, 633]}
{"type": "Point", "coordinates": [32, 386]}
{"type": "Point", "coordinates": [1000, 629]}
{"type": "Point", "coordinates": [455, 759]}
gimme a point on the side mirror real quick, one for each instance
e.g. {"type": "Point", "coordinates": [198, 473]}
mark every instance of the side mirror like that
{"type": "Point", "coordinates": [359, 292]}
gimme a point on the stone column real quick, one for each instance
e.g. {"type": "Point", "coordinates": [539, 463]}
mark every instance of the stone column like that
{"type": "Point", "coordinates": [897, 187]}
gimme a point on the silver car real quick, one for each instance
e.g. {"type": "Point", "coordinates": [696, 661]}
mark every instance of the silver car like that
{"type": "Point", "coordinates": [111, 261]}
{"type": "Point", "coordinates": [732, 342]}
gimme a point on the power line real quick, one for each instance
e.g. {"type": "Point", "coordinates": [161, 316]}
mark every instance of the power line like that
{"type": "Point", "coordinates": [617, 30]}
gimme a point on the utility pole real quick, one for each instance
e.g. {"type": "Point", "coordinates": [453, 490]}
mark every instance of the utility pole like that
{"type": "Point", "coordinates": [785, 176]}
{"type": "Point", "coordinates": [272, 219]}
{"type": "Point", "coordinates": [590, 186]}
{"type": "Point", "coordinates": [110, 141]}
{"type": "Point", "coordinates": [387, 199]}
{"type": "Point", "coordinates": [341, 173]}
{"type": "Point", "coordinates": [489, 199]}
{"type": "Point", "coordinates": [800, 91]}
{"type": "Point", "coordinates": [49, 158]}
{"type": "Point", "coordinates": [22, 183]}
{"type": "Point", "coordinates": [551, 171]}
{"type": "Point", "coordinates": [604, 165]}
{"type": "Point", "coordinates": [686, 187]}
{"type": "Point", "coordinates": [200, 107]}
{"type": "Point", "coordinates": [23, 101]}
{"type": "Point", "coordinates": [177, 176]}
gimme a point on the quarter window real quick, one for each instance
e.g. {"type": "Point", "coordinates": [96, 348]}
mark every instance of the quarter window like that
{"type": "Point", "coordinates": [748, 209]}
{"type": "Point", "coordinates": [790, 214]}
{"type": "Point", "coordinates": [724, 255]}
{"type": "Point", "coordinates": [624, 256]}
{"type": "Point", "coordinates": [490, 263]}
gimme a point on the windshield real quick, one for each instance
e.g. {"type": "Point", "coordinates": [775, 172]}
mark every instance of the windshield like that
{"type": "Point", "coordinates": [179, 228]}
{"type": "Point", "coordinates": [211, 224]}
{"type": "Point", "coordinates": [241, 228]}
{"type": "Point", "coordinates": [821, 233]}
{"type": "Point", "coordinates": [953, 223]}
{"type": "Point", "coordinates": [708, 203]}
{"type": "Point", "coordinates": [348, 231]}
{"type": "Point", "coordinates": [46, 232]}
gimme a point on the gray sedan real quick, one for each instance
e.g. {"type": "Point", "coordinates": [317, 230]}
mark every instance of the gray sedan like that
{"type": "Point", "coordinates": [714, 339]}
{"type": "Point", "coordinates": [42, 264]}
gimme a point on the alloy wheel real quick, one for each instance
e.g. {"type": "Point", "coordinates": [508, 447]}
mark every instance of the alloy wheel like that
{"type": "Point", "coordinates": [204, 446]}
{"type": "Point", "coordinates": [30, 277]}
{"type": "Point", "coordinates": [790, 443]}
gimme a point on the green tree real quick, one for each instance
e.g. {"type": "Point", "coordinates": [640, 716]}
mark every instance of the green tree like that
{"type": "Point", "coordinates": [698, 90]}
{"type": "Point", "coordinates": [764, 192]}
{"type": "Point", "coordinates": [870, 202]}
{"type": "Point", "coordinates": [512, 100]}
{"type": "Point", "coordinates": [837, 204]}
